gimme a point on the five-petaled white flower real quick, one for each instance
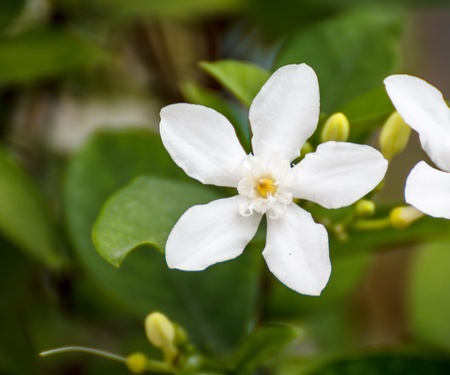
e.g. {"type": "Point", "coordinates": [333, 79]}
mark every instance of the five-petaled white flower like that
{"type": "Point", "coordinates": [422, 106]}
{"type": "Point", "coordinates": [283, 116]}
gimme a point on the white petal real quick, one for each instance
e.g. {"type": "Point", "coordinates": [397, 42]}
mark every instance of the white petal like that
{"type": "Point", "coordinates": [285, 112]}
{"type": "Point", "coordinates": [296, 251]}
{"type": "Point", "coordinates": [339, 173]}
{"type": "Point", "coordinates": [209, 234]}
{"type": "Point", "coordinates": [202, 142]}
{"type": "Point", "coordinates": [428, 190]}
{"type": "Point", "coordinates": [424, 109]}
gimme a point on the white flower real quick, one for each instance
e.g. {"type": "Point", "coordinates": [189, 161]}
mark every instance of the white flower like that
{"type": "Point", "coordinates": [283, 116]}
{"type": "Point", "coordinates": [424, 109]}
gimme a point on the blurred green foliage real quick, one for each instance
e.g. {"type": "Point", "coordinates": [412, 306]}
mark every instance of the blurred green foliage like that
{"type": "Point", "coordinates": [360, 49]}
{"type": "Point", "coordinates": [380, 361]}
{"type": "Point", "coordinates": [25, 219]}
{"type": "Point", "coordinates": [428, 302]}
{"type": "Point", "coordinates": [58, 290]}
{"type": "Point", "coordinates": [46, 53]}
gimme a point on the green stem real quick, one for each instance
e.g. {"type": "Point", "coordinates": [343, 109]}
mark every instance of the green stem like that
{"type": "Point", "coordinates": [81, 349]}
{"type": "Point", "coordinates": [372, 224]}
{"type": "Point", "coordinates": [157, 366]}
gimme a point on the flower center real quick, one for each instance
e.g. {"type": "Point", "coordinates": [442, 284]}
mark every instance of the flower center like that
{"type": "Point", "coordinates": [266, 187]}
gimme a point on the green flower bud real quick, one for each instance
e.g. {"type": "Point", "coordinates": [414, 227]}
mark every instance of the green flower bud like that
{"type": "Point", "coordinates": [394, 136]}
{"type": "Point", "coordinates": [161, 333]}
{"type": "Point", "coordinates": [159, 329]}
{"type": "Point", "coordinates": [336, 128]}
{"type": "Point", "coordinates": [402, 217]}
{"type": "Point", "coordinates": [365, 208]}
{"type": "Point", "coordinates": [137, 363]}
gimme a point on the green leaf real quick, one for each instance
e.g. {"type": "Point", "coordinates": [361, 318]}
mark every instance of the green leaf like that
{"type": "Point", "coordinates": [242, 79]}
{"type": "Point", "coordinates": [424, 230]}
{"type": "Point", "coordinates": [367, 112]}
{"type": "Point", "coordinates": [351, 53]}
{"type": "Point", "coordinates": [381, 362]}
{"type": "Point", "coordinates": [429, 291]}
{"type": "Point", "coordinates": [24, 217]}
{"type": "Point", "coordinates": [118, 9]}
{"type": "Point", "coordinates": [262, 345]}
{"type": "Point", "coordinates": [144, 213]}
{"type": "Point", "coordinates": [108, 162]}
{"type": "Point", "coordinates": [45, 53]}
{"type": "Point", "coordinates": [10, 10]}
{"type": "Point", "coordinates": [216, 306]}
{"type": "Point", "coordinates": [16, 273]}
{"type": "Point", "coordinates": [197, 94]}
{"type": "Point", "coordinates": [348, 271]}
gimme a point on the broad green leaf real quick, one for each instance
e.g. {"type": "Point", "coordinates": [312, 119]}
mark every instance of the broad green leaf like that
{"type": "Point", "coordinates": [143, 213]}
{"type": "Point", "coordinates": [34, 318]}
{"type": "Point", "coordinates": [242, 79]}
{"type": "Point", "coordinates": [392, 361]}
{"type": "Point", "coordinates": [348, 271]}
{"type": "Point", "coordinates": [262, 345]}
{"type": "Point", "coordinates": [108, 162]}
{"type": "Point", "coordinates": [429, 291]}
{"type": "Point", "coordinates": [367, 112]}
{"type": "Point", "coordinates": [197, 94]}
{"type": "Point", "coordinates": [216, 306]}
{"type": "Point", "coordinates": [45, 53]}
{"type": "Point", "coordinates": [24, 218]}
{"type": "Point", "coordinates": [351, 53]}
{"type": "Point", "coordinates": [118, 9]}
{"type": "Point", "coordinates": [16, 356]}
{"type": "Point", "coordinates": [10, 9]}
{"type": "Point", "coordinates": [424, 230]}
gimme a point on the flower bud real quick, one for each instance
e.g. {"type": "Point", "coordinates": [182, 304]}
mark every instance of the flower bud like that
{"type": "Point", "coordinates": [340, 232]}
{"type": "Point", "coordinates": [306, 149]}
{"type": "Point", "coordinates": [401, 217]}
{"type": "Point", "coordinates": [161, 332]}
{"type": "Point", "coordinates": [365, 208]}
{"type": "Point", "coordinates": [137, 363]}
{"type": "Point", "coordinates": [394, 136]}
{"type": "Point", "coordinates": [336, 128]}
{"type": "Point", "coordinates": [159, 329]}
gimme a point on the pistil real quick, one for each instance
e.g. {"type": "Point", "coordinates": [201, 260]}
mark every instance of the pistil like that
{"type": "Point", "coordinates": [265, 187]}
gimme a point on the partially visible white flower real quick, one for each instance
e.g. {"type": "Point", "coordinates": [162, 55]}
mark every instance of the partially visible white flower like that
{"type": "Point", "coordinates": [423, 108]}
{"type": "Point", "coordinates": [283, 116]}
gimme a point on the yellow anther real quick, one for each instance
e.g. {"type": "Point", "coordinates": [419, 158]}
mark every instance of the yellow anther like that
{"type": "Point", "coordinates": [394, 136]}
{"type": "Point", "coordinates": [266, 186]}
{"type": "Point", "coordinates": [401, 217]}
{"type": "Point", "coordinates": [336, 128]}
{"type": "Point", "coordinates": [137, 363]}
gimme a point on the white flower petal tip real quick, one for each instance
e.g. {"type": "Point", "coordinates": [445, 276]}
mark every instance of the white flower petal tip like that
{"type": "Point", "coordinates": [202, 142]}
{"type": "Point", "coordinates": [296, 251]}
{"type": "Point", "coordinates": [339, 173]}
{"type": "Point", "coordinates": [209, 234]}
{"type": "Point", "coordinates": [285, 112]}
{"type": "Point", "coordinates": [423, 107]}
{"type": "Point", "coordinates": [428, 190]}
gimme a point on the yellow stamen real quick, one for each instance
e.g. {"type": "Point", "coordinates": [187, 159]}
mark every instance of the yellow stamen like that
{"type": "Point", "coordinates": [266, 186]}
